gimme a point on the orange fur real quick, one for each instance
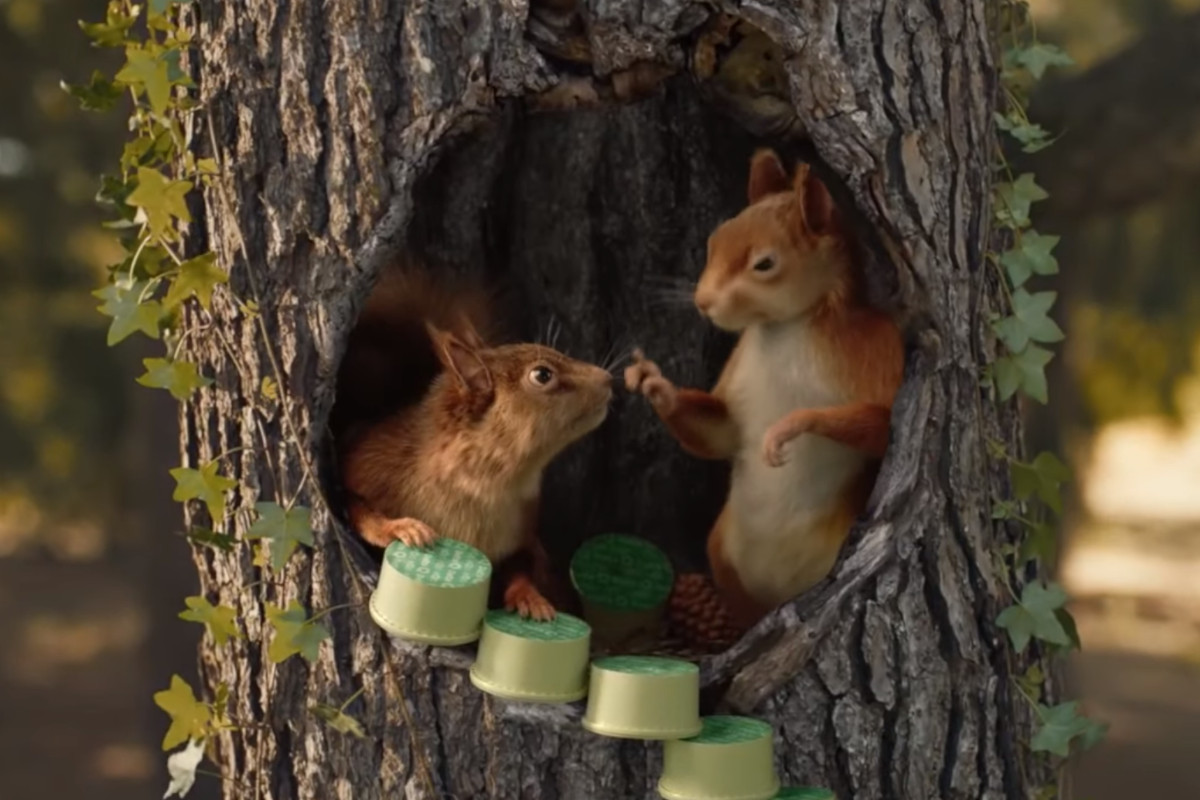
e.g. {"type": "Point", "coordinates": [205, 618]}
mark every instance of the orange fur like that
{"type": "Point", "coordinates": [804, 400]}
{"type": "Point", "coordinates": [464, 457]}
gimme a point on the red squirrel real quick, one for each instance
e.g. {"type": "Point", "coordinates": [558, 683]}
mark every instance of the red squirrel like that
{"type": "Point", "coordinates": [803, 405]}
{"type": "Point", "coordinates": [442, 434]}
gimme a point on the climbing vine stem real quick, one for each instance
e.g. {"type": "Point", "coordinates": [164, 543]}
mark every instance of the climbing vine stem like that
{"type": "Point", "coordinates": [1025, 333]}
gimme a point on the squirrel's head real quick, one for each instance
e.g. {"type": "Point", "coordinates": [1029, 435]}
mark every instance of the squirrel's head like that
{"type": "Point", "coordinates": [532, 400]}
{"type": "Point", "coordinates": [780, 257]}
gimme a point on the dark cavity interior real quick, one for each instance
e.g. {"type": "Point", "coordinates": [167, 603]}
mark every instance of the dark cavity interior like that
{"type": "Point", "coordinates": [580, 216]}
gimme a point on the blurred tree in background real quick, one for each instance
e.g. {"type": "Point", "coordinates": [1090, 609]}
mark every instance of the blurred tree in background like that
{"type": "Point", "coordinates": [1125, 192]}
{"type": "Point", "coordinates": [63, 393]}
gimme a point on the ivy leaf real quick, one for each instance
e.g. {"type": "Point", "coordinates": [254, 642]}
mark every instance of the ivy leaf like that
{"type": "Point", "coordinates": [1034, 616]}
{"type": "Point", "coordinates": [1032, 136]}
{"type": "Point", "coordinates": [161, 200]}
{"type": "Point", "coordinates": [808, 793]}
{"type": "Point", "coordinates": [1094, 734]}
{"type": "Point", "coordinates": [1029, 321]}
{"type": "Point", "coordinates": [147, 73]}
{"type": "Point", "coordinates": [1038, 57]}
{"type": "Point", "coordinates": [1068, 624]}
{"type": "Point", "coordinates": [202, 484]}
{"type": "Point", "coordinates": [121, 302]}
{"type": "Point", "coordinates": [181, 767]}
{"type": "Point", "coordinates": [112, 32]}
{"type": "Point", "coordinates": [1025, 371]}
{"type": "Point", "coordinates": [1039, 543]}
{"type": "Point", "coordinates": [1042, 478]}
{"type": "Point", "coordinates": [1031, 682]}
{"type": "Point", "coordinates": [209, 538]}
{"type": "Point", "coordinates": [283, 529]}
{"type": "Point", "coordinates": [98, 94]}
{"type": "Point", "coordinates": [1015, 199]}
{"type": "Point", "coordinates": [197, 277]}
{"type": "Point", "coordinates": [269, 389]}
{"type": "Point", "coordinates": [338, 719]}
{"type": "Point", "coordinates": [1031, 255]}
{"type": "Point", "coordinates": [220, 620]}
{"type": "Point", "coordinates": [1060, 725]}
{"type": "Point", "coordinates": [189, 717]}
{"type": "Point", "coordinates": [294, 633]}
{"type": "Point", "coordinates": [180, 378]}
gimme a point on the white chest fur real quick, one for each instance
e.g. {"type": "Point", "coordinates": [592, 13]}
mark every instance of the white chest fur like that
{"type": "Point", "coordinates": [774, 510]}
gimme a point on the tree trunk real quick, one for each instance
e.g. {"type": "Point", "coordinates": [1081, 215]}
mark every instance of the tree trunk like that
{"type": "Point", "coordinates": [350, 130]}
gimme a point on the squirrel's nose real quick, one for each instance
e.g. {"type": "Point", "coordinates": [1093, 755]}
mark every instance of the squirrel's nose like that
{"type": "Point", "coordinates": [704, 301]}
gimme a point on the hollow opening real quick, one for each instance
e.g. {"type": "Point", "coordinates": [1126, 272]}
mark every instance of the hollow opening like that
{"type": "Point", "coordinates": [594, 222]}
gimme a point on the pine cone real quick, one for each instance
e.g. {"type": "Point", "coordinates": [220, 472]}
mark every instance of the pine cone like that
{"type": "Point", "coordinates": [697, 615]}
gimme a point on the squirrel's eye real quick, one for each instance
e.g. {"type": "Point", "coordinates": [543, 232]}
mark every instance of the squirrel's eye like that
{"type": "Point", "coordinates": [764, 264]}
{"type": "Point", "coordinates": [541, 375]}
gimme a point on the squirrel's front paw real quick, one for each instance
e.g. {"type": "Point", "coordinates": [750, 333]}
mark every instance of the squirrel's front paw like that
{"type": "Point", "coordinates": [412, 532]}
{"type": "Point", "coordinates": [777, 437]}
{"type": "Point", "coordinates": [644, 376]}
{"type": "Point", "coordinates": [524, 598]}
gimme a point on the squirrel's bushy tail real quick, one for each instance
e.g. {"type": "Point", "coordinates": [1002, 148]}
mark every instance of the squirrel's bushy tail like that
{"type": "Point", "coordinates": [389, 361]}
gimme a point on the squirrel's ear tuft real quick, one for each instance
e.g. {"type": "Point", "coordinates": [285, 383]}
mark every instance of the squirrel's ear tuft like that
{"type": "Point", "coordinates": [462, 360]}
{"type": "Point", "coordinates": [767, 175]}
{"type": "Point", "coordinates": [816, 204]}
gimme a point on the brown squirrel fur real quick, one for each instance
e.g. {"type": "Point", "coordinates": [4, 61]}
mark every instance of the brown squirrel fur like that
{"type": "Point", "coordinates": [803, 405]}
{"type": "Point", "coordinates": [442, 434]}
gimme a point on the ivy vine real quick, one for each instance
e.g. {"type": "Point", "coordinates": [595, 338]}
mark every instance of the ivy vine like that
{"type": "Point", "coordinates": [147, 292]}
{"type": "Point", "coordinates": [1038, 612]}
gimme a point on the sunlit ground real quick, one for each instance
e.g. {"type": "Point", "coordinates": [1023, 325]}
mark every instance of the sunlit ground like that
{"type": "Point", "coordinates": [1134, 574]}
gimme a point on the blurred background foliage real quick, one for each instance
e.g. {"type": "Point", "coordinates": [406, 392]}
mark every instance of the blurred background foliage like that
{"type": "Point", "coordinates": [75, 472]}
{"type": "Point", "coordinates": [64, 394]}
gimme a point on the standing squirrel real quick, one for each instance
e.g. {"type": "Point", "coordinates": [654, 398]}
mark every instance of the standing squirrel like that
{"type": "Point", "coordinates": [441, 434]}
{"type": "Point", "coordinates": [803, 405]}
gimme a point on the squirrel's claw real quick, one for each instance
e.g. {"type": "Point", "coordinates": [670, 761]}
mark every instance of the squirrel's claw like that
{"type": "Point", "coordinates": [645, 377]}
{"type": "Point", "coordinates": [524, 598]}
{"type": "Point", "coordinates": [412, 532]}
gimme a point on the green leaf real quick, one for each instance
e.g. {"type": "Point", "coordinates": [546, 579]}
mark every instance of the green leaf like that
{"type": "Point", "coordinates": [147, 73]}
{"type": "Point", "coordinates": [1060, 725]}
{"type": "Point", "coordinates": [1029, 321]}
{"type": "Point", "coordinates": [269, 389]}
{"type": "Point", "coordinates": [197, 277]}
{"type": "Point", "coordinates": [1042, 478]}
{"type": "Point", "coordinates": [189, 717]}
{"type": "Point", "coordinates": [221, 620]}
{"type": "Point", "coordinates": [1068, 624]}
{"type": "Point", "coordinates": [1094, 735]}
{"type": "Point", "coordinates": [1005, 509]}
{"type": "Point", "coordinates": [208, 538]}
{"type": "Point", "coordinates": [283, 529]}
{"type": "Point", "coordinates": [1034, 616]}
{"type": "Point", "coordinates": [338, 720]}
{"type": "Point", "coordinates": [180, 378]}
{"type": "Point", "coordinates": [202, 484]}
{"type": "Point", "coordinates": [1031, 682]}
{"type": "Point", "coordinates": [122, 302]}
{"type": "Point", "coordinates": [1015, 199]}
{"type": "Point", "coordinates": [1040, 543]}
{"type": "Point", "coordinates": [1032, 255]}
{"type": "Point", "coordinates": [294, 633]}
{"type": "Point", "coordinates": [161, 200]}
{"type": "Point", "coordinates": [98, 94]}
{"type": "Point", "coordinates": [1025, 371]}
{"type": "Point", "coordinates": [113, 31]}
{"type": "Point", "coordinates": [1032, 136]}
{"type": "Point", "coordinates": [1039, 56]}
{"type": "Point", "coordinates": [161, 6]}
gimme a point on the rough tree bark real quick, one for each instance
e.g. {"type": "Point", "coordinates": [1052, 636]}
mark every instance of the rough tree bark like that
{"type": "Point", "coordinates": [350, 129]}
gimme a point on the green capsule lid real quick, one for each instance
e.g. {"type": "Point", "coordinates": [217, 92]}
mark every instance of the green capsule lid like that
{"type": "Point", "coordinates": [622, 572]}
{"type": "Point", "coordinates": [805, 793]}
{"type": "Point", "coordinates": [562, 628]}
{"type": "Point", "coordinates": [730, 730]}
{"type": "Point", "coordinates": [646, 665]}
{"type": "Point", "coordinates": [449, 563]}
